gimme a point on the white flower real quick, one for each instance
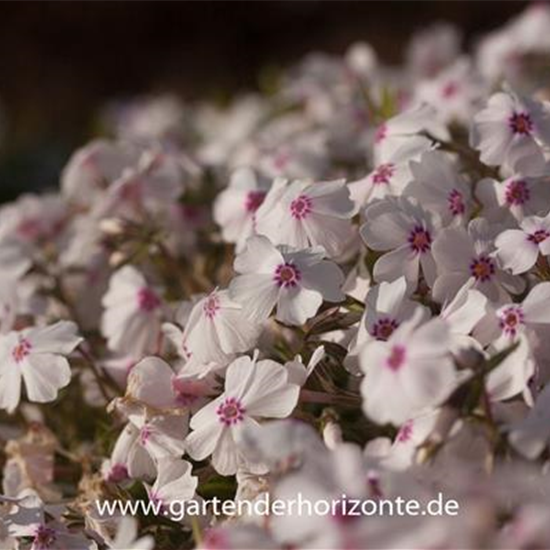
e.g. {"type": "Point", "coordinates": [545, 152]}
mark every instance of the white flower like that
{"type": "Point", "coordinates": [518, 249]}
{"type": "Point", "coordinates": [94, 167]}
{"type": "Point", "coordinates": [513, 319]}
{"type": "Point", "coordinates": [126, 537]}
{"type": "Point", "coordinates": [509, 131]}
{"type": "Point", "coordinates": [174, 483]}
{"type": "Point", "coordinates": [409, 374]}
{"type": "Point", "coordinates": [438, 187]}
{"type": "Point", "coordinates": [253, 389]}
{"type": "Point", "coordinates": [531, 435]}
{"type": "Point", "coordinates": [235, 207]}
{"type": "Point", "coordinates": [517, 196]}
{"type": "Point", "coordinates": [386, 307]}
{"type": "Point", "coordinates": [296, 281]}
{"type": "Point", "coordinates": [403, 227]}
{"type": "Point", "coordinates": [303, 214]}
{"type": "Point", "coordinates": [36, 355]}
{"type": "Point", "coordinates": [462, 254]}
{"type": "Point", "coordinates": [401, 137]}
{"type": "Point", "coordinates": [215, 330]}
{"type": "Point", "coordinates": [388, 178]}
{"type": "Point", "coordinates": [132, 316]}
{"type": "Point", "coordinates": [462, 314]}
{"type": "Point", "coordinates": [454, 92]}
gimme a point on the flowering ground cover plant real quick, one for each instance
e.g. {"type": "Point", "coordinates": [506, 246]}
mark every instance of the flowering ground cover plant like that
{"type": "Point", "coordinates": [337, 289]}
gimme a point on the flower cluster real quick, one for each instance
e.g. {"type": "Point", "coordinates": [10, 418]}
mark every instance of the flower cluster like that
{"type": "Point", "coordinates": [336, 287]}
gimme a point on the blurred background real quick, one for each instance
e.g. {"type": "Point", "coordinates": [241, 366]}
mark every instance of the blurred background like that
{"type": "Point", "coordinates": [61, 61]}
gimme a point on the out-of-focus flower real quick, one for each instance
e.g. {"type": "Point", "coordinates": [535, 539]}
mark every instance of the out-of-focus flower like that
{"type": "Point", "coordinates": [38, 357]}
{"type": "Point", "coordinates": [412, 369]}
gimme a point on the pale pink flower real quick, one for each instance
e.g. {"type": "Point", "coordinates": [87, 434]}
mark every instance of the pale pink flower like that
{"type": "Point", "coordinates": [517, 196]}
{"type": "Point", "coordinates": [296, 281]}
{"type": "Point", "coordinates": [403, 136]}
{"type": "Point", "coordinates": [510, 131]}
{"type": "Point", "coordinates": [174, 483]}
{"type": "Point", "coordinates": [303, 214]}
{"type": "Point", "coordinates": [133, 312]}
{"type": "Point", "coordinates": [518, 249]}
{"type": "Point", "coordinates": [214, 330]}
{"type": "Point", "coordinates": [36, 356]}
{"type": "Point", "coordinates": [405, 229]}
{"type": "Point", "coordinates": [235, 207]}
{"type": "Point", "coordinates": [408, 374]}
{"type": "Point", "coordinates": [454, 92]}
{"type": "Point", "coordinates": [462, 254]}
{"type": "Point", "coordinates": [388, 178]}
{"type": "Point", "coordinates": [95, 167]}
{"type": "Point", "coordinates": [387, 305]}
{"type": "Point", "coordinates": [253, 389]}
{"type": "Point", "coordinates": [438, 186]}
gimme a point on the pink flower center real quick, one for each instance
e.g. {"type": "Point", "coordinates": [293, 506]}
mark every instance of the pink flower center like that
{"type": "Point", "coordinates": [254, 200]}
{"type": "Point", "coordinates": [406, 431]}
{"type": "Point", "coordinates": [231, 411]}
{"type": "Point", "coordinates": [211, 306]}
{"type": "Point", "coordinates": [144, 434]}
{"type": "Point", "coordinates": [510, 319]}
{"type": "Point", "coordinates": [521, 123]}
{"type": "Point", "coordinates": [455, 201]}
{"type": "Point", "coordinates": [44, 537]}
{"type": "Point", "coordinates": [397, 358]}
{"type": "Point", "coordinates": [538, 236]}
{"type": "Point", "coordinates": [383, 328]}
{"type": "Point", "coordinates": [29, 229]}
{"type": "Point", "coordinates": [300, 207]}
{"type": "Point", "coordinates": [482, 268]}
{"type": "Point", "coordinates": [118, 473]}
{"type": "Point", "coordinates": [420, 239]}
{"type": "Point", "coordinates": [517, 193]}
{"type": "Point", "coordinates": [450, 89]}
{"type": "Point", "coordinates": [381, 133]}
{"type": "Point", "coordinates": [383, 174]}
{"type": "Point", "coordinates": [287, 275]}
{"type": "Point", "coordinates": [148, 300]}
{"type": "Point", "coordinates": [21, 350]}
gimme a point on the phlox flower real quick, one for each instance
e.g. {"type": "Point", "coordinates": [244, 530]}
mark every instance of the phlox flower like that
{"type": "Point", "coordinates": [127, 537]}
{"type": "Point", "coordinates": [531, 435]}
{"type": "Point", "coordinates": [408, 374]}
{"type": "Point", "coordinates": [505, 324]}
{"type": "Point", "coordinates": [517, 196]}
{"type": "Point", "coordinates": [133, 311]}
{"type": "Point", "coordinates": [387, 305]}
{"type": "Point", "coordinates": [454, 92]}
{"type": "Point", "coordinates": [94, 167]}
{"type": "Point", "coordinates": [388, 178]}
{"type": "Point", "coordinates": [405, 229]}
{"type": "Point", "coordinates": [462, 253]}
{"type": "Point", "coordinates": [510, 131]}
{"type": "Point", "coordinates": [36, 355]}
{"type": "Point", "coordinates": [403, 136]}
{"type": "Point", "coordinates": [235, 207]}
{"type": "Point", "coordinates": [519, 249]}
{"type": "Point", "coordinates": [296, 281]}
{"type": "Point", "coordinates": [437, 186]}
{"type": "Point", "coordinates": [253, 389]}
{"type": "Point", "coordinates": [462, 314]}
{"type": "Point", "coordinates": [215, 329]}
{"type": "Point", "coordinates": [174, 483]}
{"type": "Point", "coordinates": [303, 214]}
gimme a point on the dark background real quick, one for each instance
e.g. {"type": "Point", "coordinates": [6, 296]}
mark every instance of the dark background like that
{"type": "Point", "coordinates": [60, 61]}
